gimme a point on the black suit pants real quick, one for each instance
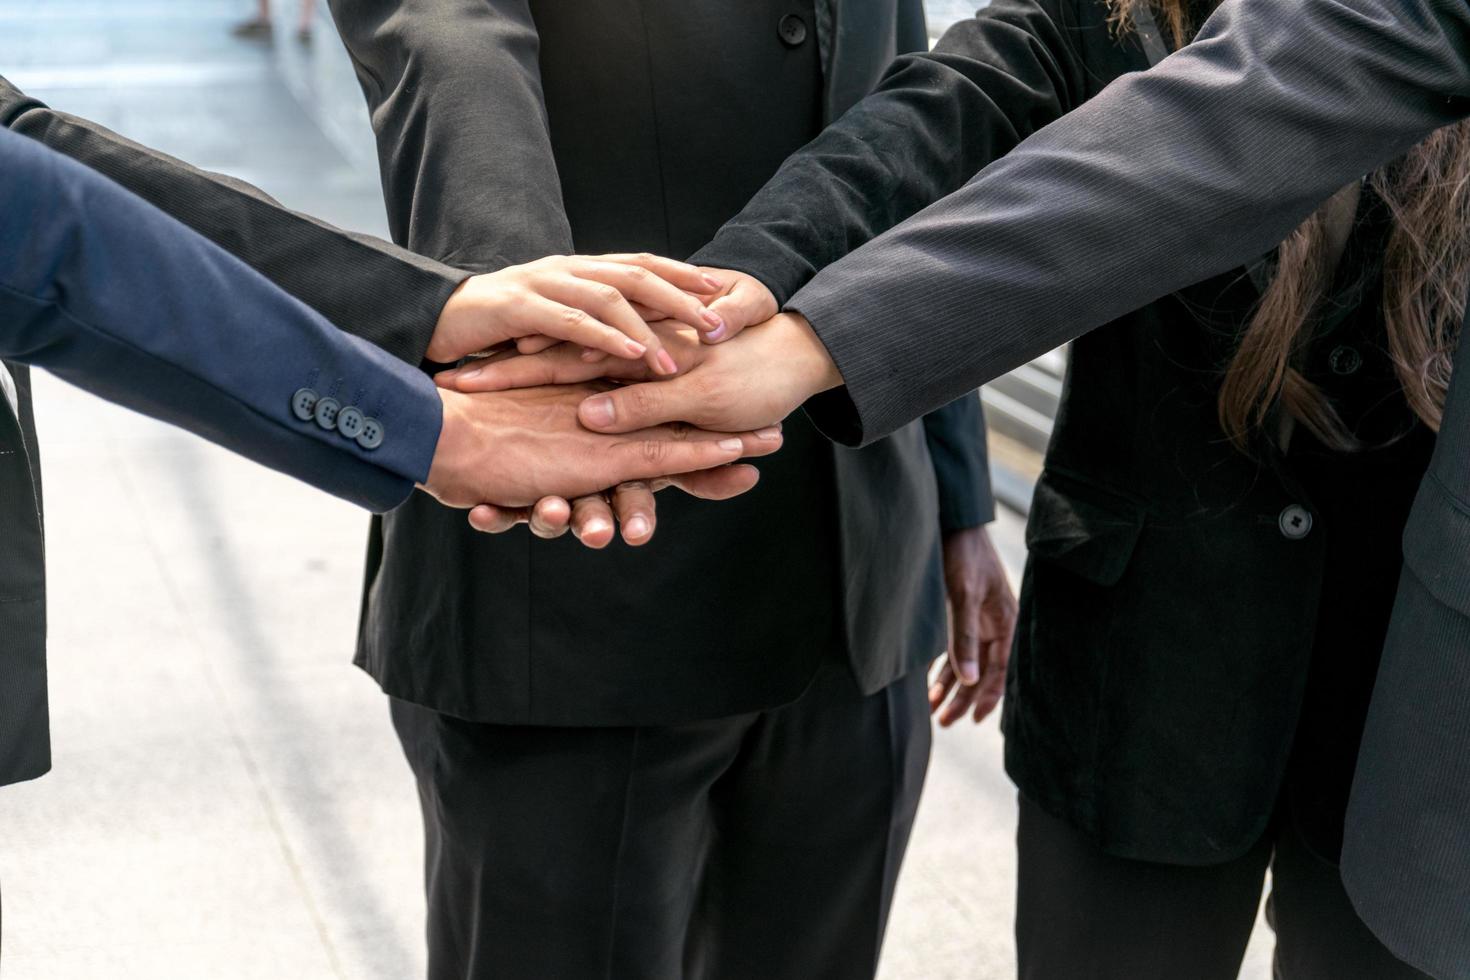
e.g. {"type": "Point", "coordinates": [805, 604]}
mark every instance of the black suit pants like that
{"type": "Point", "coordinates": [764, 845]}
{"type": "Point", "coordinates": [1081, 912]}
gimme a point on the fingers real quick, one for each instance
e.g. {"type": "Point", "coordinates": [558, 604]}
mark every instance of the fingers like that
{"type": "Point", "coordinates": [939, 688]}
{"type": "Point", "coordinates": [561, 364]}
{"type": "Point", "coordinates": [592, 521]}
{"type": "Point", "coordinates": [964, 646]}
{"type": "Point", "coordinates": [720, 483]}
{"type": "Point", "coordinates": [658, 452]}
{"type": "Point", "coordinates": [633, 502]}
{"type": "Point", "coordinates": [550, 518]}
{"type": "Point", "coordinates": [496, 520]}
{"type": "Point", "coordinates": [596, 317]}
{"type": "Point", "coordinates": [643, 289]}
{"type": "Point", "coordinates": [690, 278]}
{"type": "Point", "coordinates": [747, 303]}
{"type": "Point", "coordinates": [535, 343]}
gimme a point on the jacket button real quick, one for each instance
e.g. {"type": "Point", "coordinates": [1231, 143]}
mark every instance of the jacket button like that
{"type": "Point", "coordinates": [349, 422]}
{"type": "Point", "coordinates": [371, 436]}
{"type": "Point", "coordinates": [326, 413]}
{"type": "Point", "coordinates": [303, 404]}
{"type": "Point", "coordinates": [1344, 360]}
{"type": "Point", "coordinates": [1295, 522]}
{"type": "Point", "coordinates": [792, 30]}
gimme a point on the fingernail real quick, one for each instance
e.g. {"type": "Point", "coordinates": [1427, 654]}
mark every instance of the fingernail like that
{"type": "Point", "coordinates": [713, 282]}
{"type": "Point", "coordinates": [598, 410]}
{"type": "Point", "coordinates": [467, 374]}
{"type": "Point", "coordinates": [717, 334]}
{"type": "Point", "coordinates": [589, 354]}
{"type": "Point", "coordinates": [768, 433]}
{"type": "Point", "coordinates": [595, 525]}
{"type": "Point", "coordinates": [636, 349]}
{"type": "Point", "coordinates": [970, 674]}
{"type": "Point", "coordinates": [636, 528]}
{"type": "Point", "coordinates": [730, 445]}
{"type": "Point", "coordinates": [666, 363]}
{"type": "Point", "coordinates": [711, 317]}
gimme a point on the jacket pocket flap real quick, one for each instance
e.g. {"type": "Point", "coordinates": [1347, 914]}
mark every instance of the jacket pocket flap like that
{"type": "Point", "coordinates": [1083, 529]}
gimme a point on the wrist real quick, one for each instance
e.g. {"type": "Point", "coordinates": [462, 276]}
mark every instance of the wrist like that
{"type": "Point", "coordinates": [446, 471]}
{"type": "Point", "coordinates": [465, 323]}
{"type": "Point", "coordinates": [815, 370]}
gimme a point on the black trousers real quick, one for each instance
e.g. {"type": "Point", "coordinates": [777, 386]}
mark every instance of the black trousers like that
{"type": "Point", "coordinates": [761, 846]}
{"type": "Point", "coordinates": [1083, 913]}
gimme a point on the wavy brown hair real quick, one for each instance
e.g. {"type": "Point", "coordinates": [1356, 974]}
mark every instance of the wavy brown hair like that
{"type": "Point", "coordinates": [1426, 275]}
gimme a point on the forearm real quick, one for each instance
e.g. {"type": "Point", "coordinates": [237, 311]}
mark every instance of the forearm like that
{"type": "Point", "coordinates": [454, 92]}
{"type": "Point", "coordinates": [1165, 178]}
{"type": "Point", "coordinates": [932, 123]}
{"type": "Point", "coordinates": [367, 286]}
{"type": "Point", "coordinates": [180, 330]}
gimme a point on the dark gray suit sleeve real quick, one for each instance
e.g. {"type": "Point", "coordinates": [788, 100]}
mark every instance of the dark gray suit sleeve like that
{"type": "Point", "coordinates": [364, 285]}
{"type": "Point", "coordinates": [1165, 178]}
{"type": "Point", "coordinates": [454, 90]}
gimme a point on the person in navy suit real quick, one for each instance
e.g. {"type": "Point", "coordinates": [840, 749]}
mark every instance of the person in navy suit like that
{"type": "Point", "coordinates": [107, 292]}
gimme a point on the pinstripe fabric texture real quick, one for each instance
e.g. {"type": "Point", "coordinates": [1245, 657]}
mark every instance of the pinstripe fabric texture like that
{"type": "Point", "coordinates": [1151, 186]}
{"type": "Point", "coordinates": [1406, 854]}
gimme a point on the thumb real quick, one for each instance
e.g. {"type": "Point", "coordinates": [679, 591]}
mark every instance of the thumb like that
{"type": "Point", "coordinates": [747, 303]}
{"type": "Point", "coordinates": [634, 407]}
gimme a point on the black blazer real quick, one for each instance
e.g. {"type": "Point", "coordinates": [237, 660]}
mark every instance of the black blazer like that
{"type": "Point", "coordinates": [508, 130]}
{"type": "Point", "coordinates": [25, 748]}
{"type": "Point", "coordinates": [1133, 657]}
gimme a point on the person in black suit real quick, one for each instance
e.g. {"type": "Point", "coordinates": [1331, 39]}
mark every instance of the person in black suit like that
{"type": "Point", "coordinates": [701, 757]}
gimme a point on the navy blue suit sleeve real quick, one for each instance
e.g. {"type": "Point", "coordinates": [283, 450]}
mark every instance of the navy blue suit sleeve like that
{"type": "Point", "coordinates": [114, 296]}
{"type": "Point", "coordinates": [956, 438]}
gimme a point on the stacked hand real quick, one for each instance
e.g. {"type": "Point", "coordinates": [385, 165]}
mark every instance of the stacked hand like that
{"type": "Point", "coordinates": [604, 317]}
{"type": "Point", "coordinates": [727, 381]}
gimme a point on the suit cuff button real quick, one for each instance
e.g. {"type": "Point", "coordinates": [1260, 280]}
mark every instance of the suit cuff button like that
{"type": "Point", "coordinates": [350, 422]}
{"type": "Point", "coordinates": [326, 413]}
{"type": "Point", "coordinates": [371, 436]}
{"type": "Point", "coordinates": [303, 404]}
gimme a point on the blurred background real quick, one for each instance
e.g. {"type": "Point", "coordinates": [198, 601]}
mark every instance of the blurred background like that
{"type": "Point", "coordinates": [228, 800]}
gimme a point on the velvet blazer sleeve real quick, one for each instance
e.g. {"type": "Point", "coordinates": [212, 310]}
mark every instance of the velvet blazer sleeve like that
{"type": "Point", "coordinates": [111, 294]}
{"type": "Point", "coordinates": [1165, 178]}
{"type": "Point", "coordinates": [364, 285]}
{"type": "Point", "coordinates": [934, 121]}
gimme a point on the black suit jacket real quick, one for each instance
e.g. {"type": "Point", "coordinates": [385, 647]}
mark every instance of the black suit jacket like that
{"type": "Point", "coordinates": [1123, 710]}
{"type": "Point", "coordinates": [25, 748]}
{"type": "Point", "coordinates": [1167, 177]}
{"type": "Point", "coordinates": [508, 130]}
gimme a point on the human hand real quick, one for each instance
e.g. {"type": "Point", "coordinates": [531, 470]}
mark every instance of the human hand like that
{"type": "Point", "coordinates": [982, 620]}
{"type": "Point", "coordinates": [512, 448]}
{"type": "Point", "coordinates": [764, 374]}
{"type": "Point", "coordinates": [743, 301]}
{"type": "Point", "coordinates": [592, 519]}
{"type": "Point", "coordinates": [599, 302]}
